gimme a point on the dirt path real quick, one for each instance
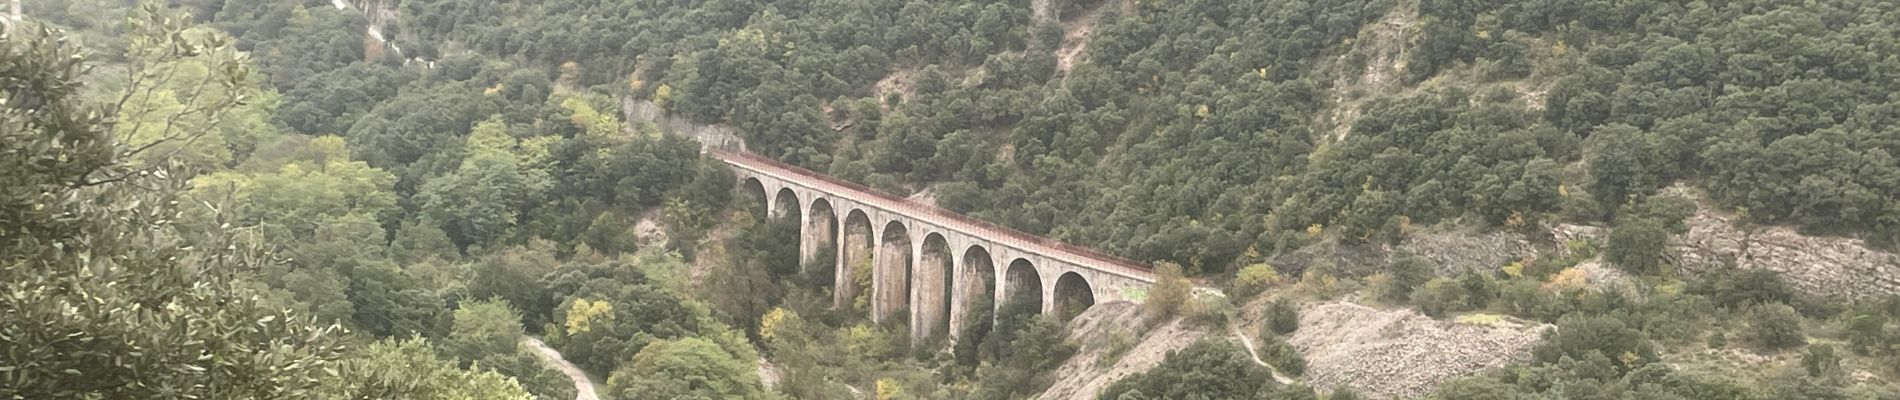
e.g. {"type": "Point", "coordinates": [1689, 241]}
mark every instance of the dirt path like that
{"type": "Point", "coordinates": [1248, 343]}
{"type": "Point", "coordinates": [584, 386]}
{"type": "Point", "coordinates": [373, 31]}
{"type": "Point", "coordinates": [1075, 35]}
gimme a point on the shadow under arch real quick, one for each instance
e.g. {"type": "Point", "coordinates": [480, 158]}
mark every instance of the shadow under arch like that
{"type": "Point", "coordinates": [934, 280]}
{"type": "Point", "coordinates": [854, 272]}
{"type": "Point", "coordinates": [1073, 295]}
{"type": "Point", "coordinates": [1021, 283]}
{"type": "Point", "coordinates": [892, 275]}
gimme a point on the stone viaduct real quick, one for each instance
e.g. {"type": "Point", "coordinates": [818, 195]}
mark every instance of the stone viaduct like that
{"type": "Point", "coordinates": [925, 262]}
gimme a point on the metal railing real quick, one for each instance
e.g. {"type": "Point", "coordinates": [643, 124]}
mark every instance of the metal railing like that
{"type": "Point", "coordinates": [915, 207]}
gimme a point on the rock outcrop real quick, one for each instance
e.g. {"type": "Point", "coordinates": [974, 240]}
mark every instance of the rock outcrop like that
{"type": "Point", "coordinates": [1456, 252]}
{"type": "Point", "coordinates": [1816, 265]}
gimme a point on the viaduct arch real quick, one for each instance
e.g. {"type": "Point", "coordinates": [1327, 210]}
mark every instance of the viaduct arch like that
{"type": "Point", "coordinates": [927, 264]}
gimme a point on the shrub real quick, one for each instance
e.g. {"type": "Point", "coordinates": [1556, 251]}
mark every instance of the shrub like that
{"type": "Point", "coordinates": [1607, 339]}
{"type": "Point", "coordinates": [1296, 391]}
{"type": "Point", "coordinates": [1208, 369]}
{"type": "Point", "coordinates": [1381, 285]}
{"type": "Point", "coordinates": [1343, 393]}
{"type": "Point", "coordinates": [1866, 331]}
{"type": "Point", "coordinates": [1776, 327]}
{"type": "Point", "coordinates": [1821, 360]}
{"type": "Point", "coordinates": [1738, 288]}
{"type": "Point", "coordinates": [1254, 279]}
{"type": "Point", "coordinates": [1478, 289]}
{"type": "Point", "coordinates": [1318, 281]}
{"type": "Point", "coordinates": [1169, 293]}
{"type": "Point", "coordinates": [1281, 355]}
{"type": "Point", "coordinates": [1438, 297]}
{"type": "Point", "coordinates": [1119, 342]}
{"type": "Point", "coordinates": [1525, 299]}
{"type": "Point", "coordinates": [1212, 312]}
{"type": "Point", "coordinates": [1567, 280]}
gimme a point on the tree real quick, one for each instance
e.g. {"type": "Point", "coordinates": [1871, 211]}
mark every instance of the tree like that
{"type": "Point", "coordinates": [1408, 272]}
{"type": "Point", "coordinates": [760, 257]}
{"type": "Point", "coordinates": [295, 185]}
{"type": "Point", "coordinates": [187, 97]}
{"type": "Point", "coordinates": [482, 328]}
{"type": "Point", "coordinates": [1637, 245]}
{"type": "Point", "coordinates": [689, 368]}
{"type": "Point", "coordinates": [1282, 316]}
{"type": "Point", "coordinates": [515, 275]}
{"type": "Point", "coordinates": [481, 202]}
{"type": "Point", "coordinates": [409, 370]}
{"type": "Point", "coordinates": [1024, 344]}
{"type": "Point", "coordinates": [96, 281]}
{"type": "Point", "coordinates": [389, 303]}
{"type": "Point", "coordinates": [624, 311]}
{"type": "Point", "coordinates": [1627, 162]}
{"type": "Point", "coordinates": [487, 334]}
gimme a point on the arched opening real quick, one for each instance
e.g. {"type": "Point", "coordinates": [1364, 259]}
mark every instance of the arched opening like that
{"type": "Point", "coordinates": [1022, 286]}
{"type": "Point", "coordinates": [935, 277]}
{"type": "Point", "coordinates": [1073, 296]}
{"type": "Point", "coordinates": [820, 239]}
{"type": "Point", "coordinates": [753, 198]}
{"type": "Point", "coordinates": [892, 275]}
{"type": "Point", "coordinates": [854, 274]}
{"type": "Point", "coordinates": [785, 205]}
{"type": "Point", "coordinates": [978, 276]}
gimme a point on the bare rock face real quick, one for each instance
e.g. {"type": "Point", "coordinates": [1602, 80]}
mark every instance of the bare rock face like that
{"type": "Point", "coordinates": [1564, 233]}
{"type": "Point", "coordinates": [1401, 354]}
{"type": "Point", "coordinates": [1456, 252]}
{"type": "Point", "coordinates": [1357, 260]}
{"type": "Point", "coordinates": [648, 231]}
{"type": "Point", "coordinates": [1816, 265]}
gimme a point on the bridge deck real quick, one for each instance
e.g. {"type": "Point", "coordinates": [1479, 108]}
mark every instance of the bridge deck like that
{"type": "Point", "coordinates": [1051, 248]}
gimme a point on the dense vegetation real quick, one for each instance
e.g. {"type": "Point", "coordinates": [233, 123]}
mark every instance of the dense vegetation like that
{"type": "Point", "coordinates": [1189, 123]}
{"type": "Point", "coordinates": [408, 215]}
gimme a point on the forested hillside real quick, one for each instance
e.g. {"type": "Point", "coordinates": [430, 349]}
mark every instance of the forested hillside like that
{"type": "Point", "coordinates": [264, 175]}
{"type": "Point", "coordinates": [1188, 132]}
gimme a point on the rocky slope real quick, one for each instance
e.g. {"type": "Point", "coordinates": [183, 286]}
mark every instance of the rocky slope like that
{"type": "Point", "coordinates": [1400, 354]}
{"type": "Point", "coordinates": [1085, 374]}
{"type": "Point", "coordinates": [1816, 265]}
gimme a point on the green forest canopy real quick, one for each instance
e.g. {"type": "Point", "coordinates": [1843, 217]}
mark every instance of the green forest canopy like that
{"type": "Point", "coordinates": [1188, 132]}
